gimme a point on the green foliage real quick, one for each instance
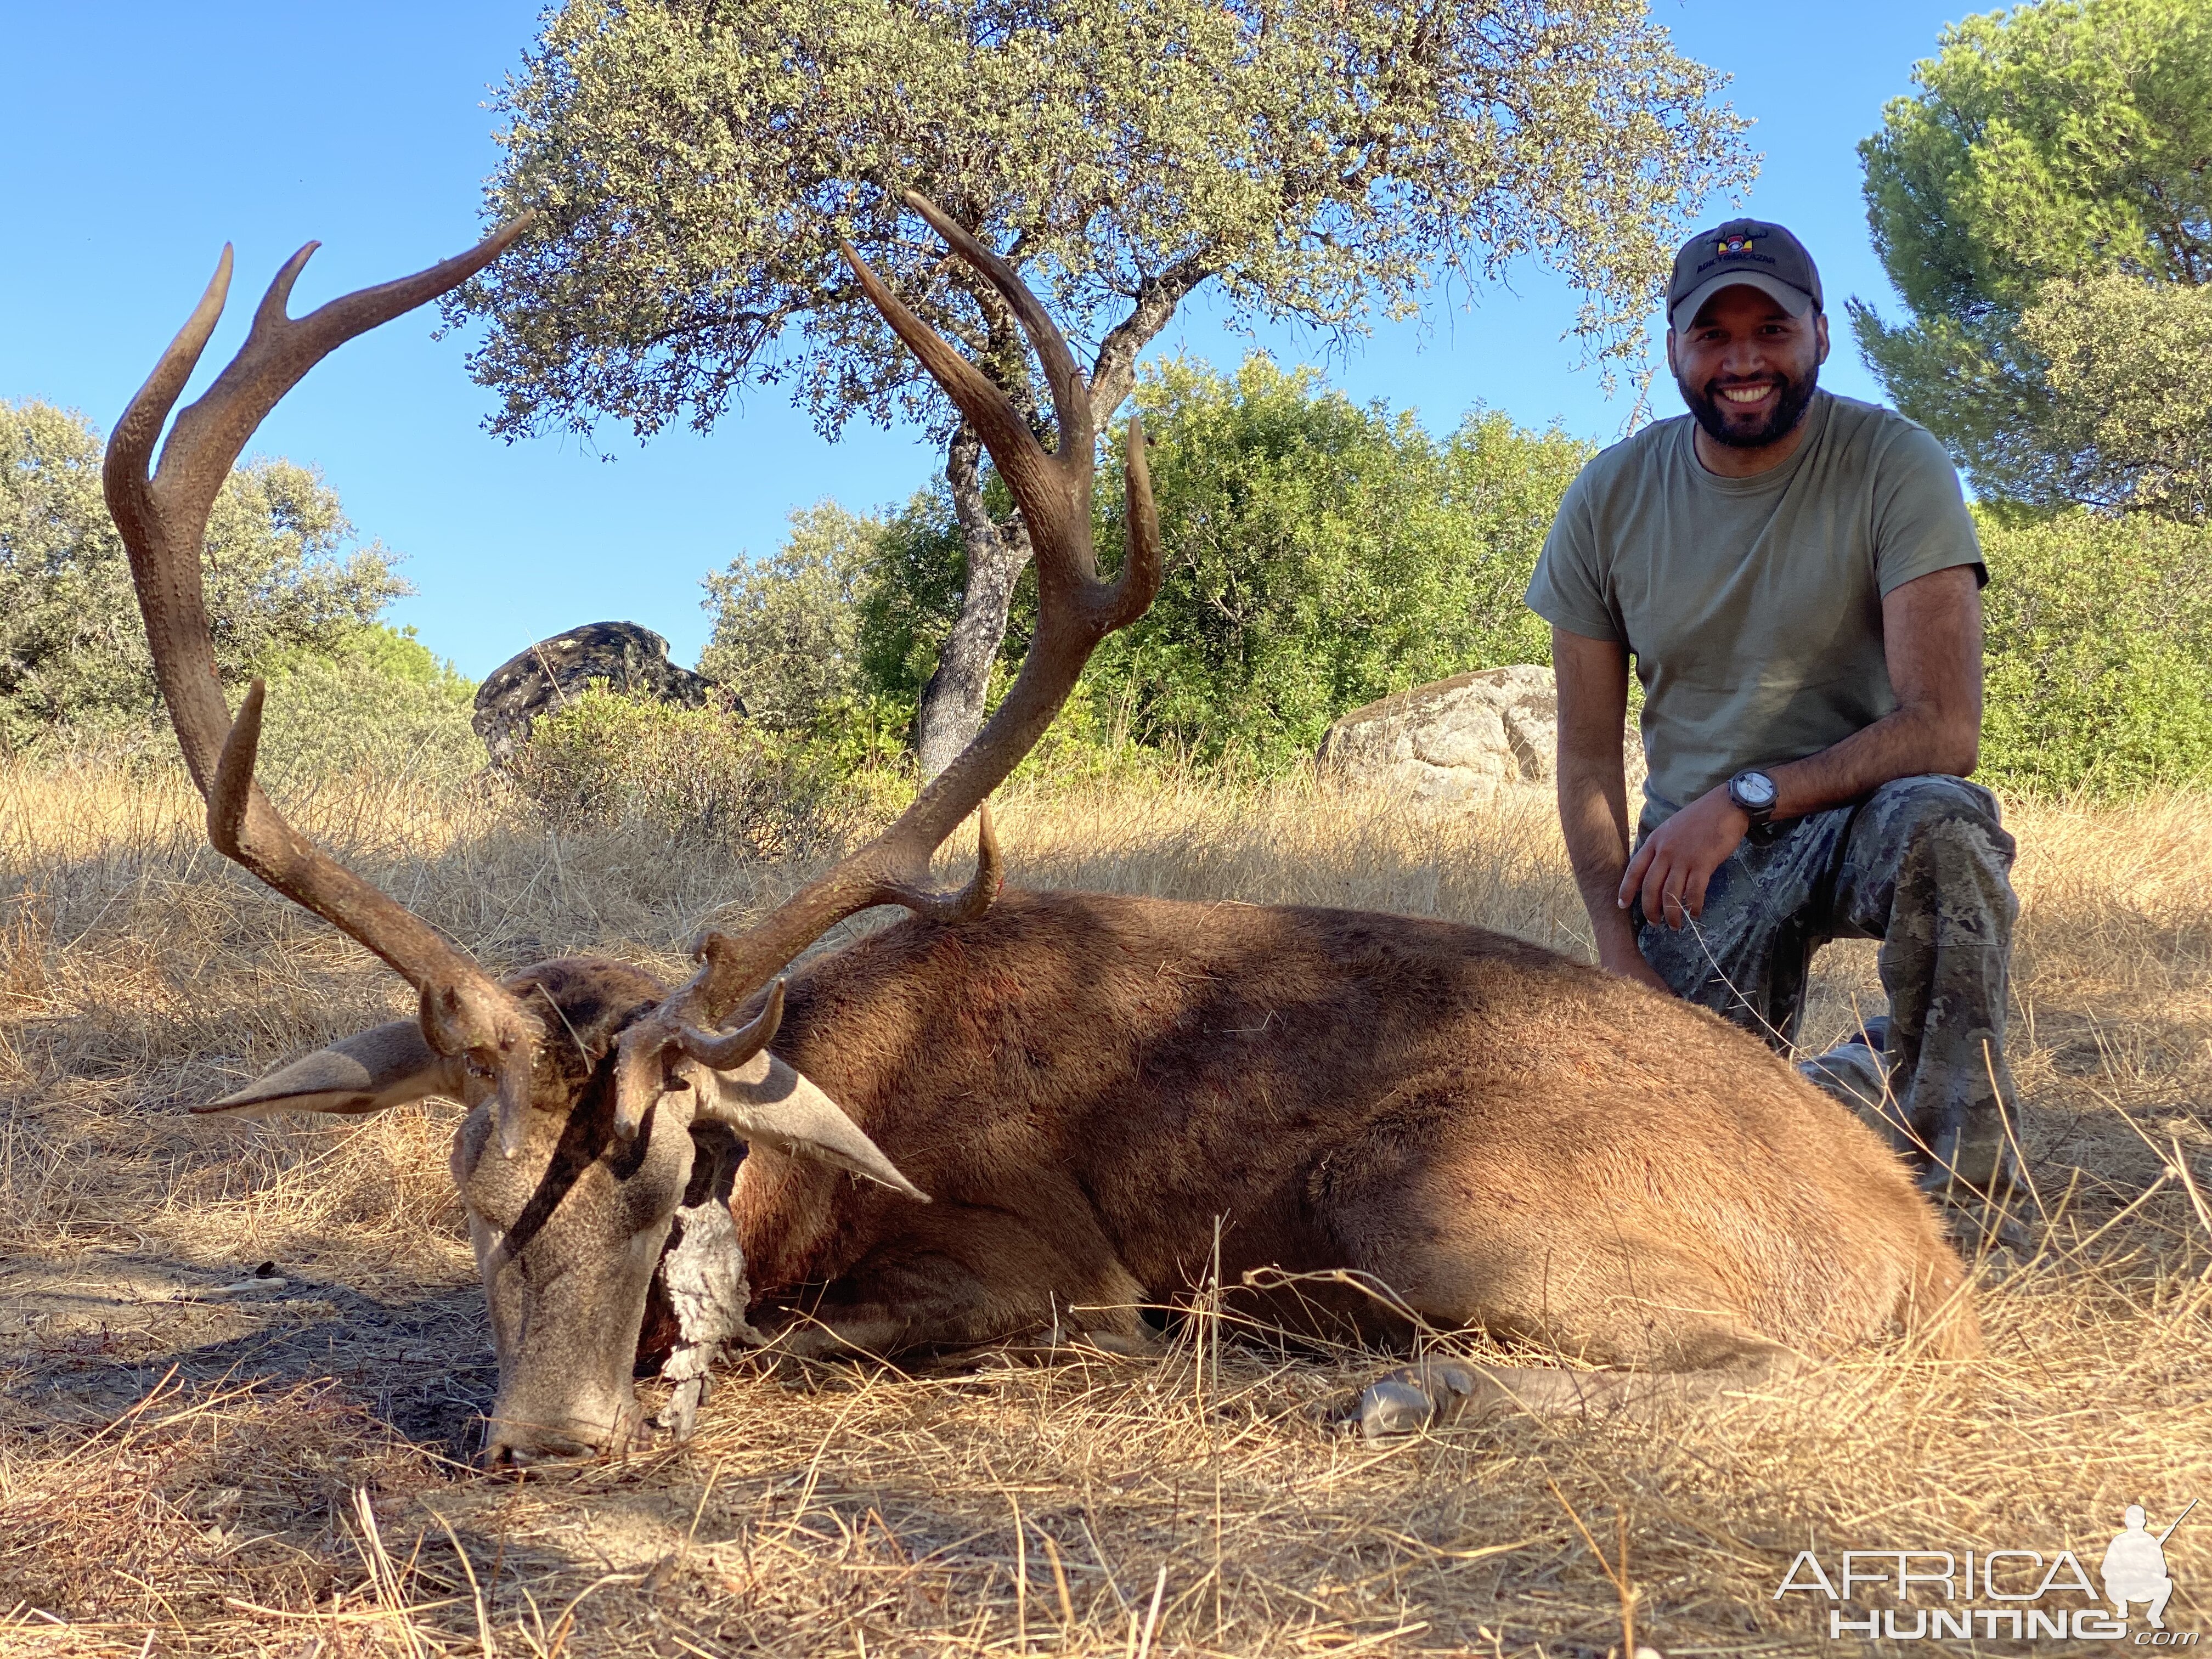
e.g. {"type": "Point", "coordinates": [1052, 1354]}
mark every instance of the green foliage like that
{"type": "Point", "coordinates": [692, 163]}
{"type": "Point", "coordinates": [378, 702]}
{"type": "Point", "coordinates": [699, 778]}
{"type": "Point", "coordinates": [2044, 208]}
{"type": "Point", "coordinates": [2130, 405]}
{"type": "Point", "coordinates": [786, 631]}
{"type": "Point", "coordinates": [913, 596]}
{"type": "Point", "coordinates": [1320, 554]}
{"type": "Point", "coordinates": [281, 582]}
{"type": "Point", "coordinates": [831, 639]}
{"type": "Point", "coordinates": [2098, 631]}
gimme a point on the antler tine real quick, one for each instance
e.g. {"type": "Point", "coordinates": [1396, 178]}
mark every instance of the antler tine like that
{"type": "Point", "coordinates": [163, 520]}
{"type": "Point", "coordinates": [1070, 395]}
{"type": "Point", "coordinates": [1040, 487]}
{"type": "Point", "coordinates": [728, 1050]}
{"type": "Point", "coordinates": [163, 514]}
{"type": "Point", "coordinates": [1076, 610]}
{"type": "Point", "coordinates": [1133, 591]}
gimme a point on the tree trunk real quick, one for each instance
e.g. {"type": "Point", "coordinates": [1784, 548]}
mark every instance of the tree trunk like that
{"type": "Point", "coordinates": [951, 704]}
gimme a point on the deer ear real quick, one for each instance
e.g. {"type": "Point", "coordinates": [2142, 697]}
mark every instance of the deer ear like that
{"type": "Point", "coordinates": [384, 1066]}
{"type": "Point", "coordinates": [765, 1100]}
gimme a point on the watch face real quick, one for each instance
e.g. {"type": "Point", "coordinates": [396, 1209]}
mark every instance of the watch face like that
{"type": "Point", "coordinates": [1754, 789]}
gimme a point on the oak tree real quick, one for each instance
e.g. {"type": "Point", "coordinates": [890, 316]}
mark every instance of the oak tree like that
{"type": "Point", "coordinates": [1323, 160]}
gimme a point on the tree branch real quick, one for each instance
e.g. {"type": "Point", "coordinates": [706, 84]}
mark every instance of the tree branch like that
{"type": "Point", "coordinates": [1113, 371]}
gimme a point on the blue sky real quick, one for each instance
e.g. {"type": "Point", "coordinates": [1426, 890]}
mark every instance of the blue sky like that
{"type": "Point", "coordinates": [135, 139]}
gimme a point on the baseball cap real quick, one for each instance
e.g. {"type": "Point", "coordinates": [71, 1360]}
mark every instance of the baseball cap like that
{"type": "Point", "coordinates": [1751, 252]}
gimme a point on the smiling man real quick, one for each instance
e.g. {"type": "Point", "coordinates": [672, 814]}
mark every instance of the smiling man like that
{"type": "Point", "coordinates": [1797, 581]}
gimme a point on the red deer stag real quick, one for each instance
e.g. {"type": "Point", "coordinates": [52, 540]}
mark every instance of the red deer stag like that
{"type": "Point", "coordinates": [1082, 1083]}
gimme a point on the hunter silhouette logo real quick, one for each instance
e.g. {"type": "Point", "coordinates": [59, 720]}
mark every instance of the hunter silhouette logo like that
{"type": "Point", "coordinates": [2134, 1568]}
{"type": "Point", "coordinates": [2014, 1594]}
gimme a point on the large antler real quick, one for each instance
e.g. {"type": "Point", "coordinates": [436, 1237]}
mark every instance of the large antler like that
{"type": "Point", "coordinates": [1075, 609]}
{"type": "Point", "coordinates": [163, 518]}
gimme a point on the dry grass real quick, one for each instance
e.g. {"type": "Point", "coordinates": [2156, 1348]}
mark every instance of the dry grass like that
{"type": "Point", "coordinates": [186, 1465]}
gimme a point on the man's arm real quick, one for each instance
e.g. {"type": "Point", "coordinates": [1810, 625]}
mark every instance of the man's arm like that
{"type": "Point", "coordinates": [1932, 639]}
{"type": "Point", "coordinates": [1593, 682]}
{"type": "Point", "coordinates": [1931, 635]}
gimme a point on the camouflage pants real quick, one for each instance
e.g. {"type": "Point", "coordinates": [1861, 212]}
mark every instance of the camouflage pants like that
{"type": "Point", "coordinates": [1920, 864]}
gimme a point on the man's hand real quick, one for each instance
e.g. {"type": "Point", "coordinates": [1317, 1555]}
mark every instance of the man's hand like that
{"type": "Point", "coordinates": [1617, 955]}
{"type": "Point", "coordinates": [1671, 869]}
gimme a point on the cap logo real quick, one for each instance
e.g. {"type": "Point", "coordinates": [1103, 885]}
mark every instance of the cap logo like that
{"type": "Point", "coordinates": [1737, 243]}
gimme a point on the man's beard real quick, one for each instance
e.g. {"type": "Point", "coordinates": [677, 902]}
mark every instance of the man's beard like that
{"type": "Point", "coordinates": [1788, 409]}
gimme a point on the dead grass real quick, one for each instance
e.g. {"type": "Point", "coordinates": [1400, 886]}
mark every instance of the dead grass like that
{"type": "Point", "coordinates": [195, 1460]}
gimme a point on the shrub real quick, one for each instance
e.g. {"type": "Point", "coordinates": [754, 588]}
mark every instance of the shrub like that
{"type": "Point", "coordinates": [2098, 638]}
{"type": "Point", "coordinates": [1320, 554]}
{"type": "Point", "coordinates": [787, 629]}
{"type": "Point", "coordinates": [378, 702]}
{"type": "Point", "coordinates": [282, 574]}
{"type": "Point", "coordinates": [699, 777]}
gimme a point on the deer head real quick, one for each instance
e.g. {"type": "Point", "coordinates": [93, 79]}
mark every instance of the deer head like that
{"type": "Point", "coordinates": [593, 1095]}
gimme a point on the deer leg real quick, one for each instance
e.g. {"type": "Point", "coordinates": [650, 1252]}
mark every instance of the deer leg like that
{"type": "Point", "coordinates": [1047, 1348]}
{"type": "Point", "coordinates": [926, 1292]}
{"type": "Point", "coordinates": [1664, 1326]}
{"type": "Point", "coordinates": [1439, 1391]}
{"type": "Point", "coordinates": [882, 1329]}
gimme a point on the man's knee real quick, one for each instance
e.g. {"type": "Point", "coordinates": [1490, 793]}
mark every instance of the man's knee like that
{"type": "Point", "coordinates": [1950, 828]}
{"type": "Point", "coordinates": [1935, 804]}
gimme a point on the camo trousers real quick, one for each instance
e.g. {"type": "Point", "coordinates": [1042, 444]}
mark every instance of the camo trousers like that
{"type": "Point", "coordinates": [1922, 864]}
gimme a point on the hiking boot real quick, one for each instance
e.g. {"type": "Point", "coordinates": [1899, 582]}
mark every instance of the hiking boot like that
{"type": "Point", "coordinates": [1857, 1073]}
{"type": "Point", "coordinates": [1980, 1227]}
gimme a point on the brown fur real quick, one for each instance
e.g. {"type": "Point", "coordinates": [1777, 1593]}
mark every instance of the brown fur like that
{"type": "Point", "coordinates": [1090, 1087]}
{"type": "Point", "coordinates": [1085, 1082]}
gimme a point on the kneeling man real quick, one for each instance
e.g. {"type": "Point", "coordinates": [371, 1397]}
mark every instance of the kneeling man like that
{"type": "Point", "coordinates": [1798, 582]}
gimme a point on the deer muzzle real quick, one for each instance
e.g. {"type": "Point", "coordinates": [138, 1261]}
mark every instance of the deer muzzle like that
{"type": "Point", "coordinates": [567, 1234]}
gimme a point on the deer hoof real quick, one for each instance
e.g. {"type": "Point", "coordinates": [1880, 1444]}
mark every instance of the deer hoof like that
{"type": "Point", "coordinates": [1416, 1397]}
{"type": "Point", "coordinates": [681, 1414]}
{"type": "Point", "coordinates": [1390, 1407]}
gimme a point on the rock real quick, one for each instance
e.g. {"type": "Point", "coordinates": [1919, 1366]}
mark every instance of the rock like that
{"type": "Point", "coordinates": [1454, 742]}
{"type": "Point", "coordinates": [631, 660]}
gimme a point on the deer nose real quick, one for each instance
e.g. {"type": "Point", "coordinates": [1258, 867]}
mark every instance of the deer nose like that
{"type": "Point", "coordinates": [517, 1444]}
{"type": "Point", "coordinates": [520, 1447]}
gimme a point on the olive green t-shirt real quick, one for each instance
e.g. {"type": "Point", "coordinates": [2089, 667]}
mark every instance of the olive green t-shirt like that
{"type": "Point", "coordinates": [1753, 605]}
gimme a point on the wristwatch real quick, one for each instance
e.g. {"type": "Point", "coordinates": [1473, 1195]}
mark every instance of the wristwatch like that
{"type": "Point", "coordinates": [1754, 792]}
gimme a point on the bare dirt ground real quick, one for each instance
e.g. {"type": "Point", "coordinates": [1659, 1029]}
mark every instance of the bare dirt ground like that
{"type": "Point", "coordinates": [241, 1368]}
